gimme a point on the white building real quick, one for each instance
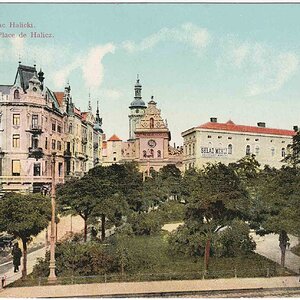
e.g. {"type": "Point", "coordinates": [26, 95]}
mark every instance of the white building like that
{"type": "Point", "coordinates": [228, 142]}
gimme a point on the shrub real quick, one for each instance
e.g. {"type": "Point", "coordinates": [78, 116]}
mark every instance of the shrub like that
{"type": "Point", "coordinates": [145, 223]}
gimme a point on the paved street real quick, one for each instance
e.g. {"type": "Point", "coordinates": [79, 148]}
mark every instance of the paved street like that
{"type": "Point", "coordinates": [268, 246]}
{"type": "Point", "coordinates": [154, 287]}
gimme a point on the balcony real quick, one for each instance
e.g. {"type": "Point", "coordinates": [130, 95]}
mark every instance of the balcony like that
{"type": "Point", "coordinates": [67, 154]}
{"type": "Point", "coordinates": [35, 129]}
{"type": "Point", "coordinates": [36, 153]}
{"type": "Point", "coordinates": [80, 155]}
{"type": "Point", "coordinates": [29, 179]}
{"type": "Point", "coordinates": [84, 140]}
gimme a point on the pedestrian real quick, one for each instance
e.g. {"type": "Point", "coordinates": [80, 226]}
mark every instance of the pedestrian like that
{"type": "Point", "coordinates": [17, 254]}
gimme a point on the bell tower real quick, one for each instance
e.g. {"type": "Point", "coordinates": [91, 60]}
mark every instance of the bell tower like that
{"type": "Point", "coordinates": [137, 109]}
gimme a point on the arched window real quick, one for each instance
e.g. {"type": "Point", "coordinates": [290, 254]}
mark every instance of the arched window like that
{"type": "Point", "coordinates": [272, 151]}
{"type": "Point", "coordinates": [151, 152]}
{"type": "Point", "coordinates": [256, 150]}
{"type": "Point", "coordinates": [229, 149]}
{"type": "Point", "coordinates": [190, 149]}
{"type": "Point", "coordinates": [283, 152]}
{"type": "Point", "coordinates": [158, 153]}
{"type": "Point", "coordinates": [16, 94]}
{"type": "Point", "coordinates": [151, 123]}
{"type": "Point", "coordinates": [193, 149]}
{"type": "Point", "coordinates": [248, 150]}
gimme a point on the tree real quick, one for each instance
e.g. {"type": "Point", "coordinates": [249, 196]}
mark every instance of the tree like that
{"type": "Point", "coordinates": [171, 181]}
{"type": "Point", "coordinates": [216, 198]}
{"type": "Point", "coordinates": [279, 209]}
{"type": "Point", "coordinates": [293, 156]}
{"type": "Point", "coordinates": [79, 196]}
{"type": "Point", "coordinates": [24, 216]}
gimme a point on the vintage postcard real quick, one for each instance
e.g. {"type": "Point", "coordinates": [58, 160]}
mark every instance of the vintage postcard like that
{"type": "Point", "coordinates": [149, 149]}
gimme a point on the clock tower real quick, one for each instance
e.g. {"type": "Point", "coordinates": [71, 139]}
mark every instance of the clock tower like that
{"type": "Point", "coordinates": [137, 109]}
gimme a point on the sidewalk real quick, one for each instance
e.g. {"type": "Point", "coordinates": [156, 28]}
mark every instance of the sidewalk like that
{"type": "Point", "coordinates": [154, 287]}
{"type": "Point", "coordinates": [64, 226]}
{"type": "Point", "coordinates": [268, 246]}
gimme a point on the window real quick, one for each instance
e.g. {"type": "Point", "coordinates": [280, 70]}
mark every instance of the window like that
{"type": "Point", "coordinates": [158, 153]}
{"type": "Point", "coordinates": [53, 126]}
{"type": "Point", "coordinates": [256, 140]}
{"type": "Point", "coordinates": [37, 169]}
{"type": "Point", "coordinates": [229, 149]}
{"type": "Point", "coordinates": [193, 149]}
{"type": "Point", "coordinates": [256, 150]}
{"type": "Point", "coordinates": [144, 153]}
{"type": "Point", "coordinates": [190, 149]}
{"type": "Point", "coordinates": [219, 137]}
{"type": "Point", "coordinates": [209, 136]}
{"type": "Point", "coordinates": [58, 128]}
{"type": "Point", "coordinates": [16, 119]}
{"type": "Point", "coordinates": [59, 145]}
{"type": "Point", "coordinates": [283, 152]}
{"type": "Point", "coordinates": [151, 123]}
{"type": "Point", "coordinates": [53, 144]}
{"type": "Point", "coordinates": [16, 168]}
{"type": "Point", "coordinates": [137, 111]}
{"type": "Point", "coordinates": [247, 139]}
{"type": "Point", "coordinates": [115, 159]}
{"type": "Point", "coordinates": [71, 128]}
{"type": "Point", "coordinates": [248, 150]}
{"type": "Point", "coordinates": [34, 142]}
{"type": "Point", "coordinates": [46, 143]}
{"type": "Point", "coordinates": [16, 94]}
{"type": "Point", "coordinates": [16, 141]}
{"type": "Point", "coordinates": [151, 153]}
{"type": "Point", "coordinates": [60, 167]}
{"type": "Point", "coordinates": [272, 151]}
{"type": "Point", "coordinates": [230, 138]}
{"type": "Point", "coordinates": [35, 121]}
{"type": "Point", "coordinates": [185, 149]}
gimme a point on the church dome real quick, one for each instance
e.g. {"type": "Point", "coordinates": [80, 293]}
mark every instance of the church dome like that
{"type": "Point", "coordinates": [137, 103]}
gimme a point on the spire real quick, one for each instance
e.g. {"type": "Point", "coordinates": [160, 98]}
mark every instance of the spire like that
{"type": "Point", "coordinates": [19, 59]}
{"type": "Point", "coordinates": [98, 122]}
{"type": "Point", "coordinates": [89, 105]}
{"type": "Point", "coordinates": [138, 89]}
{"type": "Point", "coordinates": [152, 101]}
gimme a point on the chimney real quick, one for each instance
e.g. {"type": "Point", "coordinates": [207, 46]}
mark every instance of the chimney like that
{"type": "Point", "coordinates": [295, 128]}
{"type": "Point", "coordinates": [261, 124]}
{"type": "Point", "coordinates": [213, 120]}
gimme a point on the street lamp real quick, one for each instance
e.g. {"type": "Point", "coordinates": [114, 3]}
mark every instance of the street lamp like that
{"type": "Point", "coordinates": [52, 276]}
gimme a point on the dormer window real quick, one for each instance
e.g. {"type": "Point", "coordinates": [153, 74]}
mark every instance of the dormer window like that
{"type": "Point", "coordinates": [16, 94]}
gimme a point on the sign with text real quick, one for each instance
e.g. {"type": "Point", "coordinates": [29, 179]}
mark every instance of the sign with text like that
{"type": "Point", "coordinates": [213, 152]}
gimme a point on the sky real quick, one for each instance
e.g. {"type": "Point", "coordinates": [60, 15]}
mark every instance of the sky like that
{"type": "Point", "coordinates": [230, 61]}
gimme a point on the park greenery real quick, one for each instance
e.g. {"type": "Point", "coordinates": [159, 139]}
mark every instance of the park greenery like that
{"type": "Point", "coordinates": [217, 205]}
{"type": "Point", "coordinates": [24, 216]}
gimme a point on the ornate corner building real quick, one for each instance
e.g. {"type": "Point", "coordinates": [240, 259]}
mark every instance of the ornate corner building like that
{"type": "Point", "coordinates": [34, 123]}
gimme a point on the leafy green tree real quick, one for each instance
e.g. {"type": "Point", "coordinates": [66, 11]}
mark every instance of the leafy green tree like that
{"type": "Point", "coordinates": [279, 210]}
{"type": "Point", "coordinates": [171, 181]}
{"type": "Point", "coordinates": [24, 216]}
{"type": "Point", "coordinates": [78, 196]}
{"type": "Point", "coordinates": [216, 198]}
{"type": "Point", "coordinates": [293, 156]}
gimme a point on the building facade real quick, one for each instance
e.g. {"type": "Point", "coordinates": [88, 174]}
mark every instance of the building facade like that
{"type": "Point", "coordinates": [228, 142]}
{"type": "Point", "coordinates": [34, 123]}
{"type": "Point", "coordinates": [149, 137]}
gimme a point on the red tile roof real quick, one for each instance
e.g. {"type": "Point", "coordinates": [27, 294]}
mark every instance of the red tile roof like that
{"type": "Point", "coordinates": [77, 111]}
{"type": "Point", "coordinates": [84, 115]}
{"type": "Point", "coordinates": [230, 126]}
{"type": "Point", "coordinates": [115, 138]}
{"type": "Point", "coordinates": [60, 97]}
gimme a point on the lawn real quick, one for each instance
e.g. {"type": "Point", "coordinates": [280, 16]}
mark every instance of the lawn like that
{"type": "Point", "coordinates": [148, 258]}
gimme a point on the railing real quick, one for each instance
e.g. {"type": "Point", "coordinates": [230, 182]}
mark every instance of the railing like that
{"type": "Point", "coordinates": [29, 179]}
{"type": "Point", "coordinates": [138, 277]}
